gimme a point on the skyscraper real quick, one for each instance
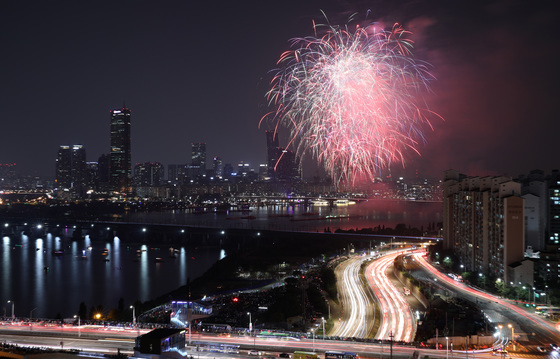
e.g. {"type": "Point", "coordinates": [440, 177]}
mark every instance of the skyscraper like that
{"type": "Point", "coordinates": [120, 166]}
{"type": "Point", "coordinates": [63, 180]}
{"type": "Point", "coordinates": [198, 159]}
{"type": "Point", "coordinates": [148, 174]}
{"type": "Point", "coordinates": [92, 176]}
{"type": "Point", "coordinates": [103, 164]}
{"type": "Point", "coordinates": [282, 163]}
{"type": "Point", "coordinates": [78, 172]}
{"type": "Point", "coordinates": [71, 169]}
{"type": "Point", "coordinates": [273, 152]}
{"type": "Point", "coordinates": [554, 208]}
{"type": "Point", "coordinates": [218, 167]}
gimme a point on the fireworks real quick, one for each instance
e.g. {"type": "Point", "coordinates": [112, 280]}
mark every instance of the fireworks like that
{"type": "Point", "coordinates": [351, 99]}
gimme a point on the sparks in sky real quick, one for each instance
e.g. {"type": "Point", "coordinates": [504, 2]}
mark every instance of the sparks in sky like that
{"type": "Point", "coordinates": [351, 99]}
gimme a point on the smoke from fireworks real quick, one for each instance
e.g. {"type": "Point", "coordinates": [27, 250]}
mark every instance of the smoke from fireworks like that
{"type": "Point", "coordinates": [350, 99]}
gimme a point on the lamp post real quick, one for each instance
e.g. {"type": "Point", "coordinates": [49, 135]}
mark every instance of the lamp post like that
{"type": "Point", "coordinates": [250, 322]}
{"type": "Point", "coordinates": [323, 320]}
{"type": "Point", "coordinates": [133, 315]}
{"type": "Point", "coordinates": [13, 311]}
{"type": "Point", "coordinates": [31, 313]}
{"type": "Point", "coordinates": [447, 347]}
{"type": "Point", "coordinates": [512, 335]}
{"type": "Point", "coordinates": [534, 297]}
{"type": "Point", "coordinates": [79, 326]}
{"type": "Point", "coordinates": [313, 331]}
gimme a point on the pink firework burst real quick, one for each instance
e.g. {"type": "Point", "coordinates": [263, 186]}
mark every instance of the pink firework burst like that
{"type": "Point", "coordinates": [352, 99]}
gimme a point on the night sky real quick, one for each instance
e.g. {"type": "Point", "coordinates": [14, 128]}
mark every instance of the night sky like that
{"type": "Point", "coordinates": [198, 72]}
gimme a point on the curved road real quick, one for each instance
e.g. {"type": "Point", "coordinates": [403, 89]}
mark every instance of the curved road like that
{"type": "Point", "coordinates": [357, 314]}
{"type": "Point", "coordinates": [396, 319]}
{"type": "Point", "coordinates": [527, 326]}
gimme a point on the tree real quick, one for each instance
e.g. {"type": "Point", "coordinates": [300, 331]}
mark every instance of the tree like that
{"type": "Point", "coordinates": [82, 312]}
{"type": "Point", "coordinates": [501, 287]}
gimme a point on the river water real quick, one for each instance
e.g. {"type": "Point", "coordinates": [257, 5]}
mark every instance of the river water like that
{"type": "Point", "coordinates": [99, 273]}
{"type": "Point", "coordinates": [365, 214]}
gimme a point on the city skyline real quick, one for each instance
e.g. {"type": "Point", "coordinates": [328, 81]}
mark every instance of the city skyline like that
{"type": "Point", "coordinates": [199, 73]}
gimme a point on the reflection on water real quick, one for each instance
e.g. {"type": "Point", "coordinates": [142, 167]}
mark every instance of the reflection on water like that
{"type": "Point", "coordinates": [306, 218]}
{"type": "Point", "coordinates": [34, 275]}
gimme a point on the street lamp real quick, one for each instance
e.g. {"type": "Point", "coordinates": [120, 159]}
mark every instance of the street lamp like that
{"type": "Point", "coordinates": [13, 305]}
{"type": "Point", "coordinates": [313, 332]}
{"type": "Point", "coordinates": [250, 322]}
{"type": "Point", "coordinates": [512, 335]}
{"type": "Point", "coordinates": [323, 320]}
{"type": "Point", "coordinates": [133, 315]}
{"type": "Point", "coordinates": [447, 347]}
{"type": "Point", "coordinates": [79, 325]}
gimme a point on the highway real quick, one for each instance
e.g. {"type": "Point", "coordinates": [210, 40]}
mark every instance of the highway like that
{"type": "Point", "coordinates": [109, 341]}
{"type": "Point", "coordinates": [528, 328]}
{"type": "Point", "coordinates": [396, 317]}
{"type": "Point", "coordinates": [358, 301]}
{"type": "Point", "coordinates": [357, 316]}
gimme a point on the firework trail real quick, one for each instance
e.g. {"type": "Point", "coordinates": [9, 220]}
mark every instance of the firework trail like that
{"type": "Point", "coordinates": [350, 99]}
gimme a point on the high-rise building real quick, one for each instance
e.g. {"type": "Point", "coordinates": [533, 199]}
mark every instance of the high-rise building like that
{"type": "Point", "coordinates": [120, 166]}
{"type": "Point", "coordinates": [63, 179]}
{"type": "Point", "coordinates": [148, 174]}
{"type": "Point", "coordinates": [8, 175]}
{"type": "Point", "coordinates": [228, 171]}
{"type": "Point", "coordinates": [103, 164]}
{"type": "Point", "coordinates": [78, 173]}
{"type": "Point", "coordinates": [484, 223]}
{"type": "Point", "coordinates": [172, 177]}
{"type": "Point", "coordinates": [554, 208]}
{"type": "Point", "coordinates": [71, 170]}
{"type": "Point", "coordinates": [92, 176]}
{"type": "Point", "coordinates": [287, 168]}
{"type": "Point", "coordinates": [282, 163]}
{"type": "Point", "coordinates": [218, 167]}
{"type": "Point", "coordinates": [273, 152]}
{"type": "Point", "coordinates": [198, 159]}
{"type": "Point", "coordinates": [534, 192]}
{"type": "Point", "coordinates": [243, 169]}
{"type": "Point", "coordinates": [263, 172]}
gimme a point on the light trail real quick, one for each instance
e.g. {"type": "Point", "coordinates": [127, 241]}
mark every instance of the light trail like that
{"type": "Point", "coordinates": [396, 318]}
{"type": "Point", "coordinates": [540, 322]}
{"type": "Point", "coordinates": [355, 322]}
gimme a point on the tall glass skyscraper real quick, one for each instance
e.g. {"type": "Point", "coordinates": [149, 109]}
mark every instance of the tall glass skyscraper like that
{"type": "Point", "coordinates": [71, 170]}
{"type": "Point", "coordinates": [120, 165]}
{"type": "Point", "coordinates": [198, 159]}
{"type": "Point", "coordinates": [63, 179]}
